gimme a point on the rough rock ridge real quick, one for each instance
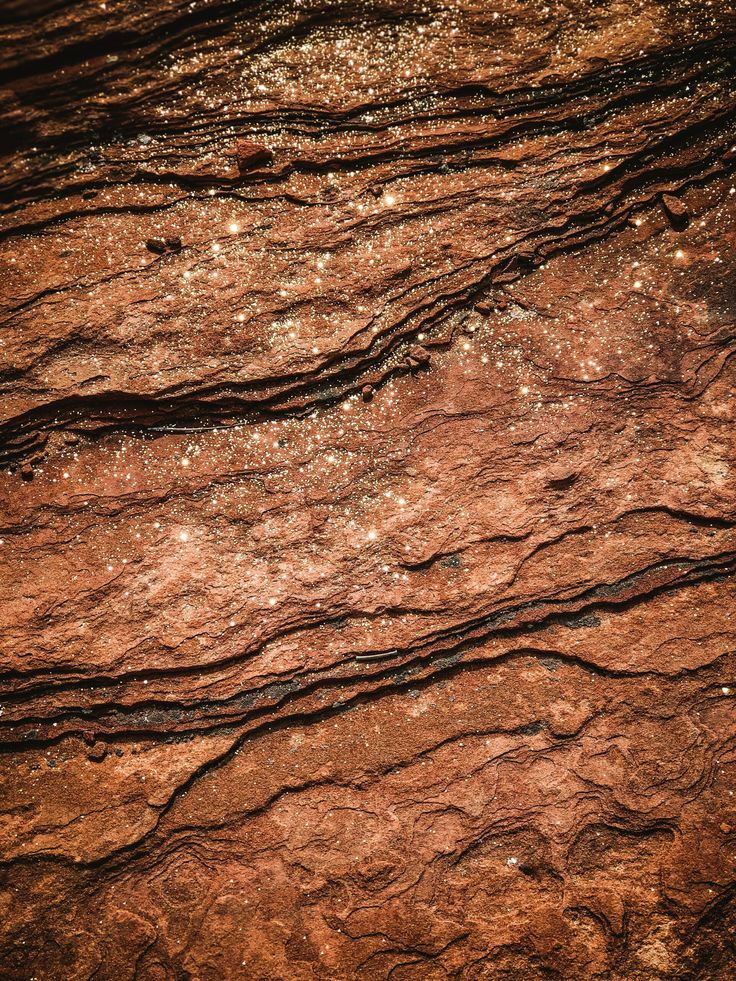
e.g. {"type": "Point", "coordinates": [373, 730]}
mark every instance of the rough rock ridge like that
{"type": "Point", "coordinates": [367, 495]}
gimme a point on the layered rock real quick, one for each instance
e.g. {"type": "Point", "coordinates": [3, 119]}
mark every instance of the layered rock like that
{"type": "Point", "coordinates": [368, 500]}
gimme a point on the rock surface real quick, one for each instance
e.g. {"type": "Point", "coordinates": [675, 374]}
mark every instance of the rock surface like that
{"type": "Point", "coordinates": [315, 664]}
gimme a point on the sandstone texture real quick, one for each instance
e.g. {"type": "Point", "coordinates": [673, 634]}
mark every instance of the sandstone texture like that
{"type": "Point", "coordinates": [367, 502]}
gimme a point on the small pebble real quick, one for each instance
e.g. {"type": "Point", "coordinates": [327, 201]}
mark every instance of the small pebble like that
{"type": "Point", "coordinates": [675, 210]}
{"type": "Point", "coordinates": [156, 245]}
{"type": "Point", "coordinates": [250, 155]}
{"type": "Point", "coordinates": [419, 354]}
{"type": "Point", "coordinates": [367, 393]}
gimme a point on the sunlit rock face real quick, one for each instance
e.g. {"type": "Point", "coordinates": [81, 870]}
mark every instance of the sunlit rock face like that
{"type": "Point", "coordinates": [367, 497]}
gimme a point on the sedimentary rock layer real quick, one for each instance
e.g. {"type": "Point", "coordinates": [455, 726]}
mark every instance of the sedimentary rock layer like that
{"type": "Point", "coordinates": [367, 502]}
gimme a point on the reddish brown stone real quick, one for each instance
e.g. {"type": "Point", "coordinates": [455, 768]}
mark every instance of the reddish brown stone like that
{"type": "Point", "coordinates": [419, 354]}
{"type": "Point", "coordinates": [156, 245]}
{"type": "Point", "coordinates": [434, 685]}
{"type": "Point", "coordinates": [562, 480]}
{"type": "Point", "coordinates": [250, 155]}
{"type": "Point", "coordinates": [675, 210]}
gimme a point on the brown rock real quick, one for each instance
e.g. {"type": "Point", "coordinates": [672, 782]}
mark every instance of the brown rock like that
{"type": "Point", "coordinates": [367, 393]}
{"type": "Point", "coordinates": [417, 357]}
{"type": "Point", "coordinates": [420, 354]}
{"type": "Point", "coordinates": [173, 242]}
{"type": "Point", "coordinates": [250, 155]}
{"type": "Point", "coordinates": [675, 210]}
{"type": "Point", "coordinates": [483, 308]}
{"type": "Point", "coordinates": [562, 480]}
{"type": "Point", "coordinates": [298, 688]}
{"type": "Point", "coordinates": [157, 245]}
